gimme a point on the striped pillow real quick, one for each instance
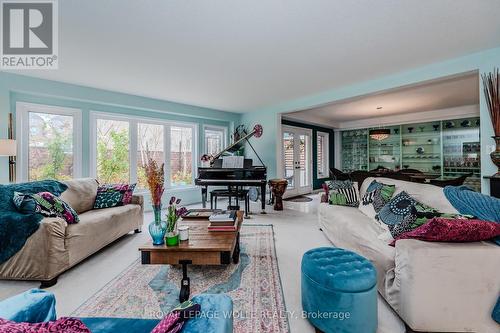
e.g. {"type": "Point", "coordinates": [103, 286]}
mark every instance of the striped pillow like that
{"type": "Point", "coordinates": [345, 196]}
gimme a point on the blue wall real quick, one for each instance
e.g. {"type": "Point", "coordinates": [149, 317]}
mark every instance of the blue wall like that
{"type": "Point", "coordinates": [16, 88]}
{"type": "Point", "coordinates": [482, 62]}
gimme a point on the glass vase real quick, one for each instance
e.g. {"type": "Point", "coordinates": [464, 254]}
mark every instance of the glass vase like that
{"type": "Point", "coordinates": [495, 155]}
{"type": "Point", "coordinates": [172, 238]}
{"type": "Point", "coordinates": [157, 228]}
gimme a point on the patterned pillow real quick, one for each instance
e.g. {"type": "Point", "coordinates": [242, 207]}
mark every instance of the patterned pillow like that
{"type": "Point", "coordinates": [47, 204]}
{"type": "Point", "coordinates": [384, 192]}
{"type": "Point", "coordinates": [173, 321]}
{"type": "Point", "coordinates": [112, 195]}
{"type": "Point", "coordinates": [397, 210]}
{"type": "Point", "coordinates": [343, 195]}
{"type": "Point", "coordinates": [419, 215]}
{"type": "Point", "coordinates": [336, 184]}
{"type": "Point", "coordinates": [453, 230]}
{"type": "Point", "coordinates": [64, 324]}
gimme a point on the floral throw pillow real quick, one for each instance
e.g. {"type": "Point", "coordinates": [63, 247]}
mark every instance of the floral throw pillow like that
{"type": "Point", "coordinates": [113, 195]}
{"type": "Point", "coordinates": [46, 204]}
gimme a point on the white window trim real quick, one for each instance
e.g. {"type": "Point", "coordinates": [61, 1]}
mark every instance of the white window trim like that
{"type": "Point", "coordinates": [22, 135]}
{"type": "Point", "coordinates": [133, 144]}
{"type": "Point", "coordinates": [326, 154]}
{"type": "Point", "coordinates": [215, 128]}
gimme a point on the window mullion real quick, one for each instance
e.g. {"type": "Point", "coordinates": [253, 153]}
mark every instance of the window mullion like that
{"type": "Point", "coordinates": [133, 151]}
{"type": "Point", "coordinates": [167, 147]}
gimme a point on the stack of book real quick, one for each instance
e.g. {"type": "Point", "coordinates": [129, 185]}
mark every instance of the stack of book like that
{"type": "Point", "coordinates": [223, 221]}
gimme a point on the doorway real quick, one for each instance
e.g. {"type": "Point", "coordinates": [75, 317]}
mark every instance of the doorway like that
{"type": "Point", "coordinates": [297, 160]}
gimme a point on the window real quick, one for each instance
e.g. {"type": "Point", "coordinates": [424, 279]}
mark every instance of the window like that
{"type": "Point", "coordinates": [214, 139]}
{"type": "Point", "coordinates": [322, 149]}
{"type": "Point", "coordinates": [121, 145]}
{"type": "Point", "coordinates": [181, 155]}
{"type": "Point", "coordinates": [149, 142]}
{"type": "Point", "coordinates": [113, 162]}
{"type": "Point", "coordinates": [49, 142]}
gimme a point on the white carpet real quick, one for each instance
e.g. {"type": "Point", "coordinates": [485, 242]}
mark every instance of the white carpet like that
{"type": "Point", "coordinates": [296, 231]}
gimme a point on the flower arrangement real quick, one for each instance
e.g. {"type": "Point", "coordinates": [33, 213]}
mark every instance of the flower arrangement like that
{"type": "Point", "coordinates": [174, 213]}
{"type": "Point", "coordinates": [155, 177]}
{"type": "Point", "coordinates": [491, 86]}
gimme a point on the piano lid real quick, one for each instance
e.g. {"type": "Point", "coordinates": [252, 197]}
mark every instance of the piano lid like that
{"type": "Point", "coordinates": [257, 132]}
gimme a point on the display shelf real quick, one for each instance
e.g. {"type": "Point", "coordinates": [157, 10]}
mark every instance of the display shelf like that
{"type": "Point", "coordinates": [421, 146]}
{"type": "Point", "coordinates": [356, 157]}
{"type": "Point", "coordinates": [462, 150]}
{"type": "Point", "coordinates": [448, 148]}
{"type": "Point", "coordinates": [386, 152]}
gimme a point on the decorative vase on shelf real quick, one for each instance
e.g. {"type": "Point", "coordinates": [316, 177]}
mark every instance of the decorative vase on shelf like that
{"type": "Point", "coordinates": [495, 155]}
{"type": "Point", "coordinates": [157, 228]}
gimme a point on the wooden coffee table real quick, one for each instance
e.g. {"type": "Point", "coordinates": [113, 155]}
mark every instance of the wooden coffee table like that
{"type": "Point", "coordinates": [203, 248]}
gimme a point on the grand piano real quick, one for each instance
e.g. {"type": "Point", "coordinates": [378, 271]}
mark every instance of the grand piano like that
{"type": "Point", "coordinates": [248, 175]}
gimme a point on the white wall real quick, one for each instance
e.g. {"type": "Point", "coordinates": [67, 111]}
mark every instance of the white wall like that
{"type": "Point", "coordinates": [415, 117]}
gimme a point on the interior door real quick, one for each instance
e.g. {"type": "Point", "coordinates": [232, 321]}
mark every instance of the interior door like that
{"type": "Point", "coordinates": [297, 160]}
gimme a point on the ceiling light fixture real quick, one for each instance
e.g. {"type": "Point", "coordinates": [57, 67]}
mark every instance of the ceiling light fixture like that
{"type": "Point", "coordinates": [380, 134]}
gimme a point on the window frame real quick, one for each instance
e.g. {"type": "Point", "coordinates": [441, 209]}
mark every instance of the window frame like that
{"type": "Point", "coordinates": [22, 135]}
{"type": "Point", "coordinates": [133, 144]}
{"type": "Point", "coordinates": [325, 154]}
{"type": "Point", "coordinates": [224, 131]}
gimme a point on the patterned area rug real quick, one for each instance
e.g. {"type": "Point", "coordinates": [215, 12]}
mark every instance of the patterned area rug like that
{"type": "Point", "coordinates": [150, 291]}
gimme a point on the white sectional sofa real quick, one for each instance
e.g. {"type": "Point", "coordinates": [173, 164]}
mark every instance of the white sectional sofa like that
{"type": "Point", "coordinates": [434, 287]}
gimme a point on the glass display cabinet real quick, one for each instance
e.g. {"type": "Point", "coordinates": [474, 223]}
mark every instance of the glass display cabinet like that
{"type": "Point", "coordinates": [444, 149]}
{"type": "Point", "coordinates": [386, 152]}
{"type": "Point", "coordinates": [462, 150]}
{"type": "Point", "coordinates": [421, 147]}
{"type": "Point", "coordinates": [354, 150]}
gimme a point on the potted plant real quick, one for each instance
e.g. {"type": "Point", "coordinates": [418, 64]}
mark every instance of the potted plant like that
{"type": "Point", "coordinates": [491, 86]}
{"type": "Point", "coordinates": [173, 216]}
{"type": "Point", "coordinates": [155, 177]}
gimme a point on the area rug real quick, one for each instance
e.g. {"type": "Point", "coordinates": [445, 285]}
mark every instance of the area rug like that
{"type": "Point", "coordinates": [150, 291]}
{"type": "Point", "coordinates": [300, 198]}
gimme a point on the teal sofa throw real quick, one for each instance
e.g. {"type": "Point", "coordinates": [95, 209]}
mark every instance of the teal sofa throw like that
{"type": "Point", "coordinates": [16, 227]}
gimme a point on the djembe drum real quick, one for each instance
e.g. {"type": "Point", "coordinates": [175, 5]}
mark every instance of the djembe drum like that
{"type": "Point", "coordinates": [278, 188]}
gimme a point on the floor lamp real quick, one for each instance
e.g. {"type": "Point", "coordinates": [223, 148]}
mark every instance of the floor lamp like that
{"type": "Point", "coordinates": [8, 148]}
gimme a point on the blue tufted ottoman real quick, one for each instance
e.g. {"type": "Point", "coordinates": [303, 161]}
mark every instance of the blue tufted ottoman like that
{"type": "Point", "coordinates": [339, 293]}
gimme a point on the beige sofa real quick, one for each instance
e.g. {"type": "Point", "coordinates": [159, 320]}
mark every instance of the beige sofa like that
{"type": "Point", "coordinates": [57, 246]}
{"type": "Point", "coordinates": [434, 287]}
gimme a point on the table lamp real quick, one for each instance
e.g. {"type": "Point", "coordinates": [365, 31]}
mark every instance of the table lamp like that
{"type": "Point", "coordinates": [8, 148]}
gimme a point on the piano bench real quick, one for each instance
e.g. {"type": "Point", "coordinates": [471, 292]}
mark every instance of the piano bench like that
{"type": "Point", "coordinates": [239, 194]}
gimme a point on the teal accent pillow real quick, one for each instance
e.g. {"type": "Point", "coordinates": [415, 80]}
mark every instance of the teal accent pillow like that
{"type": "Point", "coordinates": [113, 195]}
